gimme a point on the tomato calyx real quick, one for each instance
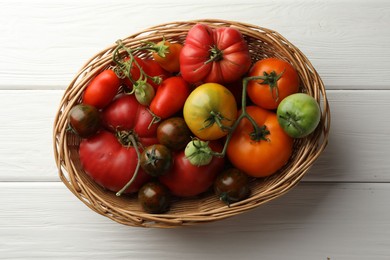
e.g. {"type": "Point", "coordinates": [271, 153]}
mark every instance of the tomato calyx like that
{"type": "Point", "coordinates": [215, 54]}
{"type": "Point", "coordinates": [216, 118]}
{"type": "Point", "coordinates": [271, 79]}
{"type": "Point", "coordinates": [160, 48]}
{"type": "Point", "coordinates": [260, 135]}
{"type": "Point", "coordinates": [292, 119]}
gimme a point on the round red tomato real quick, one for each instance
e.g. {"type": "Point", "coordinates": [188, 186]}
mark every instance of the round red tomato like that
{"type": "Point", "coordinates": [110, 163]}
{"type": "Point", "coordinates": [263, 154]}
{"type": "Point", "coordinates": [102, 89]}
{"type": "Point", "coordinates": [218, 55]}
{"type": "Point", "coordinates": [186, 180]}
{"type": "Point", "coordinates": [126, 114]}
{"type": "Point", "coordinates": [278, 80]}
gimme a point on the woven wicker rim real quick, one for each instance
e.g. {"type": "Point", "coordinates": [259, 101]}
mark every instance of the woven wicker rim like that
{"type": "Point", "coordinates": [262, 43]}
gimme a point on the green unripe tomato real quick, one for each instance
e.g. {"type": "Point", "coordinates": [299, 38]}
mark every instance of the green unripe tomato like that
{"type": "Point", "coordinates": [198, 152]}
{"type": "Point", "coordinates": [299, 114]}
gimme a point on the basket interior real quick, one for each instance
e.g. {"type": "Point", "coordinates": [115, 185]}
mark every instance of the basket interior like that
{"type": "Point", "coordinates": [262, 43]}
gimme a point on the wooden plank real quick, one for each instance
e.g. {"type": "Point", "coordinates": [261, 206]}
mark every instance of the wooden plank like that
{"type": "Point", "coordinates": [358, 147]}
{"type": "Point", "coordinates": [313, 221]}
{"type": "Point", "coordinates": [44, 43]}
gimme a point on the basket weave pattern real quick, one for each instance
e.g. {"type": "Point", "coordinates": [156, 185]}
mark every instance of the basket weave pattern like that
{"type": "Point", "coordinates": [262, 43]}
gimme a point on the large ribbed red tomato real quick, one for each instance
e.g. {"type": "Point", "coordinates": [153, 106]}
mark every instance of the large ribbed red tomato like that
{"type": "Point", "coordinates": [217, 55]}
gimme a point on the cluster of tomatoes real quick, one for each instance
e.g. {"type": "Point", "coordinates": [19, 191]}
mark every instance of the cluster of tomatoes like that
{"type": "Point", "coordinates": [178, 123]}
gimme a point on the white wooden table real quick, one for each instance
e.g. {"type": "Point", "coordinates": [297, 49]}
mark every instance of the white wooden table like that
{"type": "Point", "coordinates": [340, 210]}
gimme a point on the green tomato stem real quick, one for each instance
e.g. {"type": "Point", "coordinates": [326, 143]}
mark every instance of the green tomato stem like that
{"type": "Point", "coordinates": [135, 145]}
{"type": "Point", "coordinates": [259, 132]}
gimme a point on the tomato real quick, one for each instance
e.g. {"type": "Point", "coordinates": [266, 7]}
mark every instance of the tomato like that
{"type": "Point", "coordinates": [126, 114]}
{"type": "Point", "coordinates": [208, 110]}
{"type": "Point", "coordinates": [84, 120]}
{"type": "Point", "coordinates": [232, 185]}
{"type": "Point", "coordinates": [153, 72]}
{"type": "Point", "coordinates": [299, 115]}
{"type": "Point", "coordinates": [167, 55]}
{"type": "Point", "coordinates": [187, 180]}
{"type": "Point", "coordinates": [279, 80]}
{"type": "Point", "coordinates": [170, 97]}
{"type": "Point", "coordinates": [218, 55]}
{"type": "Point", "coordinates": [110, 163]}
{"type": "Point", "coordinates": [174, 133]}
{"type": "Point", "coordinates": [262, 154]}
{"type": "Point", "coordinates": [102, 89]}
{"type": "Point", "coordinates": [156, 159]}
{"type": "Point", "coordinates": [154, 198]}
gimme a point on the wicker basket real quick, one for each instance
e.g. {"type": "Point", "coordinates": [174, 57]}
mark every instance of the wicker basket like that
{"type": "Point", "coordinates": [205, 208]}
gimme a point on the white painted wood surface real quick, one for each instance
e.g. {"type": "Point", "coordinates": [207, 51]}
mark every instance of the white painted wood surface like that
{"type": "Point", "coordinates": [339, 211]}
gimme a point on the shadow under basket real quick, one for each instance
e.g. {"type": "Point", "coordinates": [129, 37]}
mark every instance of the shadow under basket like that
{"type": "Point", "coordinates": [263, 43]}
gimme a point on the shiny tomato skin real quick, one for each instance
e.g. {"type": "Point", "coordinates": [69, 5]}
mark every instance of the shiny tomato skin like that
{"type": "Point", "coordinates": [259, 158]}
{"type": "Point", "coordinates": [188, 180]}
{"type": "Point", "coordinates": [218, 55]}
{"type": "Point", "coordinates": [174, 133]}
{"type": "Point", "coordinates": [171, 61]}
{"type": "Point", "coordinates": [266, 96]}
{"type": "Point", "coordinates": [170, 97]}
{"type": "Point", "coordinates": [85, 120]}
{"type": "Point", "coordinates": [102, 89]}
{"type": "Point", "coordinates": [202, 102]}
{"type": "Point", "coordinates": [125, 113]}
{"type": "Point", "coordinates": [109, 163]}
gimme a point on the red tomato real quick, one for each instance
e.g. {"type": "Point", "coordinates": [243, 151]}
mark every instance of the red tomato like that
{"type": "Point", "coordinates": [102, 89]}
{"type": "Point", "coordinates": [150, 68]}
{"type": "Point", "coordinates": [280, 80]}
{"type": "Point", "coordinates": [263, 155]}
{"type": "Point", "coordinates": [125, 113]}
{"type": "Point", "coordinates": [187, 180]}
{"type": "Point", "coordinates": [170, 97]}
{"type": "Point", "coordinates": [109, 163]}
{"type": "Point", "coordinates": [214, 55]}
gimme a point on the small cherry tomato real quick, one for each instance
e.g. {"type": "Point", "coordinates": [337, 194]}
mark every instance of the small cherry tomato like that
{"type": "Point", "coordinates": [167, 54]}
{"type": "Point", "coordinates": [84, 120]}
{"type": "Point", "coordinates": [232, 185]}
{"type": "Point", "coordinates": [278, 80]}
{"type": "Point", "coordinates": [156, 160]}
{"type": "Point", "coordinates": [174, 133]}
{"type": "Point", "coordinates": [154, 198]}
{"type": "Point", "coordinates": [102, 89]}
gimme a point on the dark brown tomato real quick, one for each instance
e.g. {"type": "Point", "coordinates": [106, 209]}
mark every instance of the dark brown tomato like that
{"type": "Point", "coordinates": [84, 120]}
{"type": "Point", "coordinates": [174, 133]}
{"type": "Point", "coordinates": [154, 198]}
{"type": "Point", "coordinates": [156, 160]}
{"type": "Point", "coordinates": [231, 185]}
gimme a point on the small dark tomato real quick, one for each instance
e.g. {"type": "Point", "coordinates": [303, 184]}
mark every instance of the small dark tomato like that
{"type": "Point", "coordinates": [174, 133]}
{"type": "Point", "coordinates": [156, 159]}
{"type": "Point", "coordinates": [154, 198]}
{"type": "Point", "coordinates": [232, 185]}
{"type": "Point", "coordinates": [84, 120]}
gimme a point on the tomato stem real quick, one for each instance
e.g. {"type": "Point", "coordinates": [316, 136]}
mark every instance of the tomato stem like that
{"type": "Point", "coordinates": [258, 134]}
{"type": "Point", "coordinates": [135, 145]}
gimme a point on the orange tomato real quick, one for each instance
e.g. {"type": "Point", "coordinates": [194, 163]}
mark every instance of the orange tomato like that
{"type": "Point", "coordinates": [169, 58]}
{"type": "Point", "coordinates": [262, 155]}
{"type": "Point", "coordinates": [279, 80]}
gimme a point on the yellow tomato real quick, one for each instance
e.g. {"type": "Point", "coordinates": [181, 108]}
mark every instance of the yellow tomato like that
{"type": "Point", "coordinates": [209, 111]}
